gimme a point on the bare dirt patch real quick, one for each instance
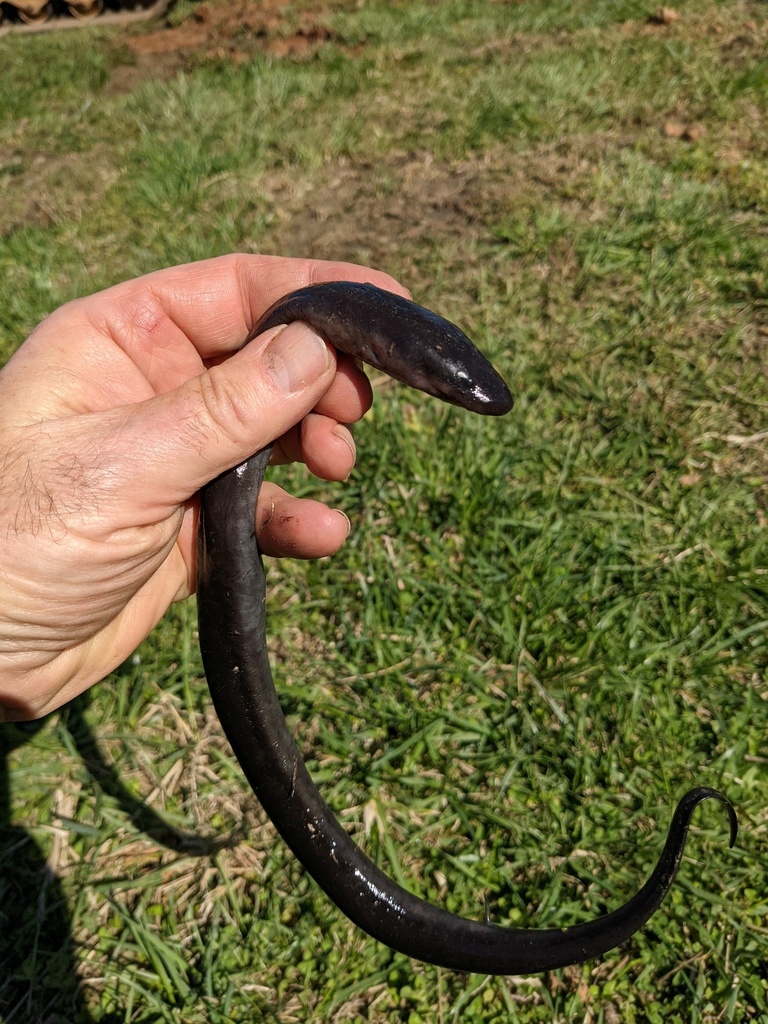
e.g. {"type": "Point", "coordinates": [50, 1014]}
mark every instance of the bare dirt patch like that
{"type": "Point", "coordinates": [232, 30]}
{"type": "Point", "coordinates": [375, 212]}
{"type": "Point", "coordinates": [235, 30]}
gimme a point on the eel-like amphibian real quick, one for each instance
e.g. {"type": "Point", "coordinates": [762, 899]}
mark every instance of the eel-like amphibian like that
{"type": "Point", "coordinates": [420, 349]}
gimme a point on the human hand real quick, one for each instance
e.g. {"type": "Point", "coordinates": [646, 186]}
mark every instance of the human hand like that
{"type": "Point", "coordinates": [113, 414]}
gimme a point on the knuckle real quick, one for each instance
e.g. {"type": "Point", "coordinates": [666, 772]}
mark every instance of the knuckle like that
{"type": "Point", "coordinates": [229, 409]}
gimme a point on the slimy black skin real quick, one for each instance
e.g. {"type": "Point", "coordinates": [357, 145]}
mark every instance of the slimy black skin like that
{"type": "Point", "coordinates": [422, 350]}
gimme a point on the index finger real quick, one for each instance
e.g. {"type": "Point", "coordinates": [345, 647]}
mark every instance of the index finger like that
{"type": "Point", "coordinates": [216, 302]}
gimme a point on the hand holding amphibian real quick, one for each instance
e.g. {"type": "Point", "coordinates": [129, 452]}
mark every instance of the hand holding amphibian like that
{"type": "Point", "coordinates": [113, 413]}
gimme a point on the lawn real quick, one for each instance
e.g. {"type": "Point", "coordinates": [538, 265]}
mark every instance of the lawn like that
{"type": "Point", "coordinates": [543, 629]}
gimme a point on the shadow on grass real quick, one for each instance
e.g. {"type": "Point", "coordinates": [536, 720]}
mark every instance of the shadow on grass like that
{"type": "Point", "coordinates": [39, 983]}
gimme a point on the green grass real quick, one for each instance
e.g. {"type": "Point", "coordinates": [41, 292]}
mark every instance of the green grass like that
{"type": "Point", "coordinates": [543, 629]}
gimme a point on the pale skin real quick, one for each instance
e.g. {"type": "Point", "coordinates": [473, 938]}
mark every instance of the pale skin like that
{"type": "Point", "coordinates": [114, 412]}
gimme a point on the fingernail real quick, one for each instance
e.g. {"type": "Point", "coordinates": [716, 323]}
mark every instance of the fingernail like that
{"type": "Point", "coordinates": [345, 435]}
{"type": "Point", "coordinates": [345, 517]}
{"type": "Point", "coordinates": [296, 357]}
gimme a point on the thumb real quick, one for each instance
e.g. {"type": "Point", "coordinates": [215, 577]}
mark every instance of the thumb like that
{"type": "Point", "coordinates": [190, 435]}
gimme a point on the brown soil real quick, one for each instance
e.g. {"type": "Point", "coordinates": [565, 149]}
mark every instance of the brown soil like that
{"type": "Point", "coordinates": [233, 29]}
{"type": "Point", "coordinates": [407, 203]}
